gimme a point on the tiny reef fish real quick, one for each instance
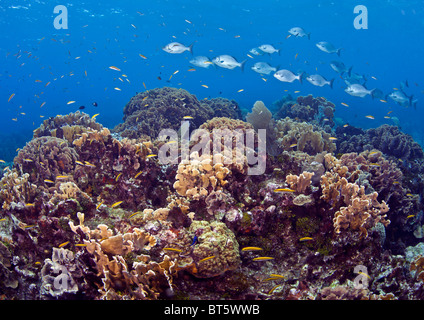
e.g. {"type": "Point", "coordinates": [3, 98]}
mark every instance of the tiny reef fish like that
{"type": "Point", "coordinates": [116, 204]}
{"type": "Point", "coordinates": [206, 259]}
{"type": "Point", "coordinates": [262, 258]}
{"type": "Point", "coordinates": [173, 249]}
{"type": "Point", "coordinates": [284, 190]}
{"type": "Point", "coordinates": [251, 249]}
{"type": "Point", "coordinates": [63, 244]}
{"type": "Point", "coordinates": [305, 239]}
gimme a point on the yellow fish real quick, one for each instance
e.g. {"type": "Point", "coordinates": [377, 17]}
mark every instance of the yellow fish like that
{"type": "Point", "coordinates": [276, 276]}
{"type": "Point", "coordinates": [151, 155]}
{"type": "Point", "coordinates": [98, 206]}
{"type": "Point", "coordinates": [284, 190]}
{"type": "Point", "coordinates": [11, 97]}
{"type": "Point", "coordinates": [344, 104]}
{"type": "Point", "coordinates": [142, 56]}
{"type": "Point", "coordinates": [80, 245]}
{"type": "Point", "coordinates": [370, 117]}
{"type": "Point", "coordinates": [63, 244]}
{"type": "Point", "coordinates": [116, 204]}
{"type": "Point", "coordinates": [117, 89]}
{"type": "Point", "coordinates": [61, 177]}
{"type": "Point", "coordinates": [251, 249]}
{"type": "Point", "coordinates": [192, 69]}
{"type": "Point", "coordinates": [30, 205]}
{"type": "Point", "coordinates": [262, 258]}
{"type": "Point", "coordinates": [205, 86]}
{"type": "Point", "coordinates": [187, 117]}
{"type": "Point", "coordinates": [173, 249]}
{"type": "Point", "coordinates": [272, 290]}
{"type": "Point", "coordinates": [332, 138]}
{"type": "Point", "coordinates": [206, 259]}
{"type": "Point", "coordinates": [133, 214]}
{"type": "Point", "coordinates": [48, 181]}
{"type": "Point", "coordinates": [70, 102]}
{"type": "Point", "coordinates": [305, 239]}
{"type": "Point", "coordinates": [135, 177]}
{"type": "Point", "coordinates": [410, 216]}
{"type": "Point", "coordinates": [95, 115]}
{"type": "Point", "coordinates": [345, 126]}
{"type": "Point", "coordinates": [409, 194]}
{"type": "Point", "coordinates": [293, 145]}
{"type": "Point", "coordinates": [241, 90]}
{"type": "Point", "coordinates": [117, 177]}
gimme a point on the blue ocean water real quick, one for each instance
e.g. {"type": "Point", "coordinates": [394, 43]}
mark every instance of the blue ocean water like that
{"type": "Point", "coordinates": [46, 68]}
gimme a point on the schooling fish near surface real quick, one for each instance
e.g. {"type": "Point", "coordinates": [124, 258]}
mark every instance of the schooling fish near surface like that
{"type": "Point", "coordinates": [319, 81]}
{"type": "Point", "coordinates": [263, 68]}
{"type": "Point", "coordinates": [228, 62]}
{"type": "Point", "coordinates": [358, 90]}
{"type": "Point", "coordinates": [299, 32]}
{"type": "Point", "coordinates": [328, 47]}
{"type": "Point", "coordinates": [201, 62]}
{"type": "Point", "coordinates": [176, 47]}
{"type": "Point", "coordinates": [287, 76]}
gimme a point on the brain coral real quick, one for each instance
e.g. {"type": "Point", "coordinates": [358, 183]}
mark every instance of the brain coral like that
{"type": "Point", "coordinates": [161, 108]}
{"type": "Point", "coordinates": [217, 241]}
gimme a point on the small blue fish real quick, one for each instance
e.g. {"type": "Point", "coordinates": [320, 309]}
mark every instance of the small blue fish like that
{"type": "Point", "coordinates": [194, 241]}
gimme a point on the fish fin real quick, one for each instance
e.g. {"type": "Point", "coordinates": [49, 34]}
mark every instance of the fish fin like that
{"type": "Point", "coordinates": [242, 65]}
{"type": "Point", "coordinates": [301, 77]}
{"type": "Point", "coordinates": [331, 83]}
{"type": "Point", "coordinates": [349, 72]}
{"type": "Point", "coordinates": [410, 100]}
{"type": "Point", "coordinates": [190, 48]}
{"type": "Point", "coordinates": [338, 51]}
{"type": "Point", "coordinates": [279, 52]}
{"type": "Point", "coordinates": [309, 36]}
{"type": "Point", "coordinates": [372, 93]}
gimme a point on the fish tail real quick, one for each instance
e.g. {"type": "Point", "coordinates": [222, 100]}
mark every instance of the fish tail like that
{"type": "Point", "coordinates": [338, 51]}
{"type": "Point", "coordinates": [300, 75]}
{"type": "Point", "coordinates": [242, 65]}
{"type": "Point", "coordinates": [190, 48]}
{"type": "Point", "coordinates": [372, 93]}
{"type": "Point", "coordinates": [309, 35]}
{"type": "Point", "coordinates": [331, 83]}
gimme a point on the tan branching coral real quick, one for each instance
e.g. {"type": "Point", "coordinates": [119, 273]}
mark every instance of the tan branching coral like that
{"type": "Point", "coordinates": [197, 177]}
{"type": "Point", "coordinates": [299, 183]}
{"type": "Point", "coordinates": [15, 189]}
{"type": "Point", "coordinates": [358, 211]}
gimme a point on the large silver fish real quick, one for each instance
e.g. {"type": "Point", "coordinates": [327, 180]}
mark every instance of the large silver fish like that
{"type": "Point", "coordinates": [201, 62]}
{"type": "Point", "coordinates": [228, 62]}
{"type": "Point", "coordinates": [267, 48]}
{"type": "Point", "coordinates": [287, 76]}
{"type": "Point", "coordinates": [339, 67]}
{"type": "Point", "coordinates": [401, 98]}
{"type": "Point", "coordinates": [176, 47]}
{"type": "Point", "coordinates": [319, 81]}
{"type": "Point", "coordinates": [299, 32]}
{"type": "Point", "coordinates": [358, 90]}
{"type": "Point", "coordinates": [263, 68]}
{"type": "Point", "coordinates": [328, 47]}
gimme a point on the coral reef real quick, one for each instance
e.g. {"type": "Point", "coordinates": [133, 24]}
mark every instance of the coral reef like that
{"type": "Point", "coordinates": [87, 214]}
{"type": "Point", "coordinates": [149, 112]}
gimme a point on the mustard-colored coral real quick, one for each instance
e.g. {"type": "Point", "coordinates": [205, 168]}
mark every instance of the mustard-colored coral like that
{"type": "Point", "coordinates": [301, 182]}
{"type": "Point", "coordinates": [197, 177]}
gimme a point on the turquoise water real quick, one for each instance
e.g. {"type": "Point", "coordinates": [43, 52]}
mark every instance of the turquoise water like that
{"type": "Point", "coordinates": [40, 64]}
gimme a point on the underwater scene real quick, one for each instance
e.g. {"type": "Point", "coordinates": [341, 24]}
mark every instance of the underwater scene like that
{"type": "Point", "coordinates": [211, 150]}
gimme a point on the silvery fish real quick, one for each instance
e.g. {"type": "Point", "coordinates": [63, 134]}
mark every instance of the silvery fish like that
{"type": "Point", "coordinates": [267, 48]}
{"type": "Point", "coordinates": [328, 47]}
{"type": "Point", "coordinates": [319, 81]}
{"type": "Point", "coordinates": [228, 62]}
{"type": "Point", "coordinates": [256, 51]}
{"type": "Point", "coordinates": [263, 68]}
{"type": "Point", "coordinates": [401, 98]}
{"type": "Point", "coordinates": [299, 32]}
{"type": "Point", "coordinates": [201, 61]}
{"type": "Point", "coordinates": [176, 47]}
{"type": "Point", "coordinates": [339, 67]}
{"type": "Point", "coordinates": [358, 90]}
{"type": "Point", "coordinates": [287, 76]}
